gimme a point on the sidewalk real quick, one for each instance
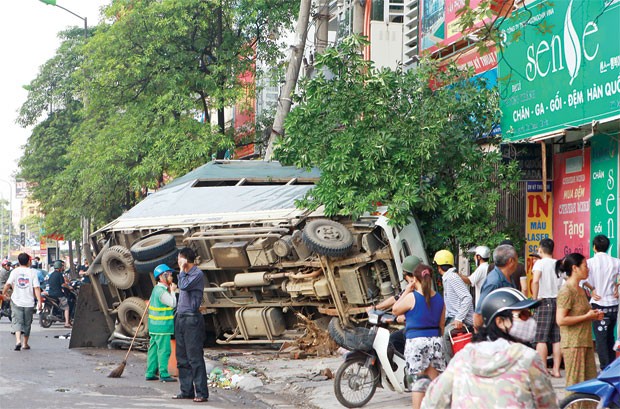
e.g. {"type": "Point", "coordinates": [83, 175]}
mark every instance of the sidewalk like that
{"type": "Point", "coordinates": [299, 383]}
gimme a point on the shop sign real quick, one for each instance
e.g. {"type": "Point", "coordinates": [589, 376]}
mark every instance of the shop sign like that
{"type": "Point", "coordinates": [529, 158]}
{"type": "Point", "coordinates": [571, 203]}
{"type": "Point", "coordinates": [604, 200]}
{"type": "Point", "coordinates": [538, 222]}
{"type": "Point", "coordinates": [439, 23]}
{"type": "Point", "coordinates": [559, 66]}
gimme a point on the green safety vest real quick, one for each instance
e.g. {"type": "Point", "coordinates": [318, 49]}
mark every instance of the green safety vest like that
{"type": "Point", "coordinates": [161, 316]}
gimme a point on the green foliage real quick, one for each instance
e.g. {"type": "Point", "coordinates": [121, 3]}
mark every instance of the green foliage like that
{"type": "Point", "coordinates": [399, 139]}
{"type": "Point", "coordinates": [123, 108]}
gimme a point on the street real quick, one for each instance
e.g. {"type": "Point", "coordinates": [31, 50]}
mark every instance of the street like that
{"type": "Point", "coordinates": [62, 377]}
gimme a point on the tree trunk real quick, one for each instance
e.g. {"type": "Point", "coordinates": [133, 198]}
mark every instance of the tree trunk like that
{"type": "Point", "coordinates": [85, 239]}
{"type": "Point", "coordinates": [292, 73]}
{"type": "Point", "coordinates": [71, 264]}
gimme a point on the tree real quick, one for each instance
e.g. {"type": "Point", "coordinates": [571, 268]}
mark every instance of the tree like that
{"type": "Point", "coordinates": [135, 100]}
{"type": "Point", "coordinates": [408, 140]}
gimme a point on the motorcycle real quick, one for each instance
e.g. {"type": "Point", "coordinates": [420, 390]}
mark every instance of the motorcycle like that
{"type": "Point", "coordinates": [51, 311]}
{"type": "Point", "coordinates": [5, 309]}
{"type": "Point", "coordinates": [601, 392]}
{"type": "Point", "coordinates": [372, 362]}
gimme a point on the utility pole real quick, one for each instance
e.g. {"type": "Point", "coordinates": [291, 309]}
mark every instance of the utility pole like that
{"type": "Point", "coordinates": [358, 17]}
{"type": "Point", "coordinates": [322, 26]}
{"type": "Point", "coordinates": [292, 73]}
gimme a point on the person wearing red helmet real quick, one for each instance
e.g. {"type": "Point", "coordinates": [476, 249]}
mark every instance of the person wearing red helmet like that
{"type": "Point", "coordinates": [5, 271]}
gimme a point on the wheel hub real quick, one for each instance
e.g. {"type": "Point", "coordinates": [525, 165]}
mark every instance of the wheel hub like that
{"type": "Point", "coordinates": [329, 233]}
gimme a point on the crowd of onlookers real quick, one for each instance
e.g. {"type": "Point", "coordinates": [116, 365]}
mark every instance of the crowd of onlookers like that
{"type": "Point", "coordinates": [572, 301]}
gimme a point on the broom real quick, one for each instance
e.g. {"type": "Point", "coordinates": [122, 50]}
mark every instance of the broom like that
{"type": "Point", "coordinates": [118, 371]}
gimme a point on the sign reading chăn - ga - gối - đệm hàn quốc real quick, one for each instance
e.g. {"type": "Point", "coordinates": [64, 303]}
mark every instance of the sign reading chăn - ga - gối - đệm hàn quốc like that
{"type": "Point", "coordinates": [559, 66]}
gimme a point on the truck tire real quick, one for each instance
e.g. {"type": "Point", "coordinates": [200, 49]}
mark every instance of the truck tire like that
{"type": "Point", "coordinates": [153, 247]}
{"type": "Point", "coordinates": [327, 238]}
{"type": "Point", "coordinates": [129, 314]}
{"type": "Point", "coordinates": [118, 267]}
{"type": "Point", "coordinates": [146, 267]}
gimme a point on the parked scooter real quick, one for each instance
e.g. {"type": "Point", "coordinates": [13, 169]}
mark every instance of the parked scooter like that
{"type": "Point", "coordinates": [372, 361]}
{"type": "Point", "coordinates": [601, 392]}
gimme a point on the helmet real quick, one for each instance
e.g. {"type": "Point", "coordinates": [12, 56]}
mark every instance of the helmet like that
{"type": "Point", "coordinates": [444, 257]}
{"type": "Point", "coordinates": [160, 269]}
{"type": "Point", "coordinates": [483, 251]}
{"type": "Point", "coordinates": [410, 263]}
{"type": "Point", "coordinates": [504, 299]}
{"type": "Point", "coordinates": [58, 264]}
{"type": "Point", "coordinates": [5, 263]}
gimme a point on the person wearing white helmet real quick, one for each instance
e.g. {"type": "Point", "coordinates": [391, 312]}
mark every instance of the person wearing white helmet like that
{"type": "Point", "coordinates": [506, 261]}
{"type": "Point", "coordinates": [482, 254]}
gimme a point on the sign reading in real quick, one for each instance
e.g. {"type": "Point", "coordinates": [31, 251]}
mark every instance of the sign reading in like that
{"type": "Point", "coordinates": [560, 66]}
{"type": "Point", "coordinates": [538, 223]}
{"type": "Point", "coordinates": [571, 198]}
{"type": "Point", "coordinates": [604, 200]}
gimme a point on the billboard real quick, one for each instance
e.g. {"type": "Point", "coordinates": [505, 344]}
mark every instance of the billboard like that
{"type": "Point", "coordinates": [604, 200]}
{"type": "Point", "coordinates": [439, 23]}
{"type": "Point", "coordinates": [571, 198]}
{"type": "Point", "coordinates": [560, 66]}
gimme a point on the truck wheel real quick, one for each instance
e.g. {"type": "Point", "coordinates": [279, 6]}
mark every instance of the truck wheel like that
{"type": "Point", "coordinates": [327, 238]}
{"type": "Point", "coordinates": [129, 314]}
{"type": "Point", "coordinates": [335, 331]}
{"type": "Point", "coordinates": [148, 266]}
{"type": "Point", "coordinates": [153, 247]}
{"type": "Point", "coordinates": [118, 267]}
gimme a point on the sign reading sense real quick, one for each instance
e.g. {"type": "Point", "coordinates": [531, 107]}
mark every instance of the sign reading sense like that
{"type": "Point", "coordinates": [560, 66]}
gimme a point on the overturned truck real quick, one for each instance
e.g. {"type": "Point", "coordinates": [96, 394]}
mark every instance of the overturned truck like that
{"type": "Point", "coordinates": [264, 259]}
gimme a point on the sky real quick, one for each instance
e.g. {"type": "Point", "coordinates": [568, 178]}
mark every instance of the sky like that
{"type": "Point", "coordinates": [29, 31]}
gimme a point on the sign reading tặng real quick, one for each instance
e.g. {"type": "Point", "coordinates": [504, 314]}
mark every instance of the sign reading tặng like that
{"type": "Point", "coordinates": [559, 66]}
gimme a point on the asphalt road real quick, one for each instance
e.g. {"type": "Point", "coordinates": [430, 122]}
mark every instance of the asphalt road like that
{"type": "Point", "coordinates": [50, 375]}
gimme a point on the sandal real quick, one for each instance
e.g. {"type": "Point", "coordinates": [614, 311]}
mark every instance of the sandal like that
{"type": "Point", "coordinates": [198, 399]}
{"type": "Point", "coordinates": [18, 347]}
{"type": "Point", "coordinates": [181, 396]}
{"type": "Point", "coordinates": [26, 347]}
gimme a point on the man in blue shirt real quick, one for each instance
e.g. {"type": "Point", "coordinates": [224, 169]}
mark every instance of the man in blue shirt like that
{"type": "Point", "coordinates": [189, 330]}
{"type": "Point", "coordinates": [57, 282]}
{"type": "Point", "coordinates": [506, 261]}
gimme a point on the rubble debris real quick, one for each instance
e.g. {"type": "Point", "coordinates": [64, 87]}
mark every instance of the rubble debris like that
{"type": "Point", "coordinates": [315, 341]}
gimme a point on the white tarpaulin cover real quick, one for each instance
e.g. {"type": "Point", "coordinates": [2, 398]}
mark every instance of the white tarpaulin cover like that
{"type": "Point", "coordinates": [189, 201]}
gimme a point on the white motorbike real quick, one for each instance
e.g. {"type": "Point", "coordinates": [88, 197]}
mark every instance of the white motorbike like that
{"type": "Point", "coordinates": [372, 361]}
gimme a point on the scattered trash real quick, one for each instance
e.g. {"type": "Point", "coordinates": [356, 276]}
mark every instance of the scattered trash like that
{"type": "Point", "coordinates": [234, 378]}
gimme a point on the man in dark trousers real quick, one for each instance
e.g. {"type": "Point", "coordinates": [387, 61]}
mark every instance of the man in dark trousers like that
{"type": "Point", "coordinates": [189, 330]}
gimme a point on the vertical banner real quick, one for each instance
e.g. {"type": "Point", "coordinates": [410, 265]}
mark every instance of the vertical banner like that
{"type": "Point", "coordinates": [604, 201]}
{"type": "Point", "coordinates": [538, 223]}
{"type": "Point", "coordinates": [571, 198]}
{"type": "Point", "coordinates": [43, 247]}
